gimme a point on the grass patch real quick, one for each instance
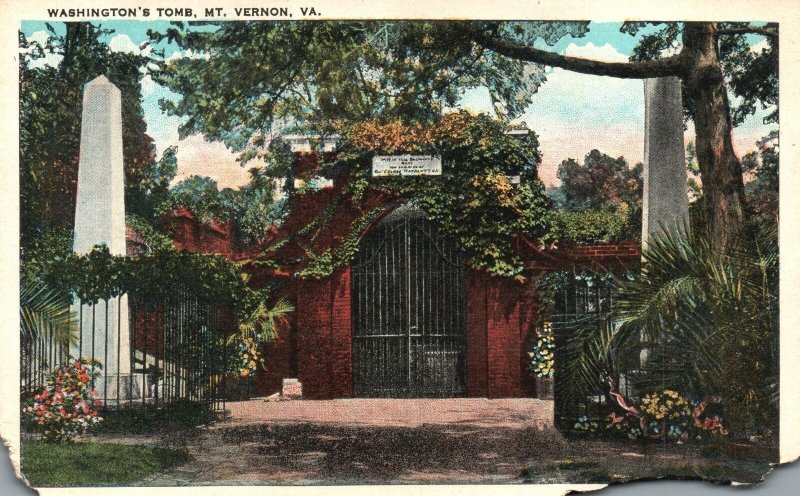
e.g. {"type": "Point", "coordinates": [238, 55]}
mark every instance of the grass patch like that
{"type": "Point", "coordinates": [94, 464]}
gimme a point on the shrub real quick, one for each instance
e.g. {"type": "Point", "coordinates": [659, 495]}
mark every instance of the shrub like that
{"type": "Point", "coordinates": [626, 426]}
{"type": "Point", "coordinates": [147, 419]}
{"type": "Point", "coordinates": [592, 226]}
{"type": "Point", "coordinates": [63, 407]}
{"type": "Point", "coordinates": [586, 426]}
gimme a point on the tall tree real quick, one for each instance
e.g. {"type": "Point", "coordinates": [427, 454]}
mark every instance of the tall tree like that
{"type": "Point", "coordinates": [601, 182]}
{"type": "Point", "coordinates": [325, 74]}
{"type": "Point", "coordinates": [702, 67]}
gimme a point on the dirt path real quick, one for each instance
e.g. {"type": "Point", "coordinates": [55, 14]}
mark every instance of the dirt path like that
{"type": "Point", "coordinates": [368, 441]}
{"type": "Point", "coordinates": [417, 441]}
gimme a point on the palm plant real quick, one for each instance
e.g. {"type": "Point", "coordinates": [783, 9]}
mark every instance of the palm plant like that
{"type": "Point", "coordinates": [707, 320]}
{"type": "Point", "coordinates": [46, 324]}
{"type": "Point", "coordinates": [44, 312]}
{"type": "Point", "coordinates": [261, 323]}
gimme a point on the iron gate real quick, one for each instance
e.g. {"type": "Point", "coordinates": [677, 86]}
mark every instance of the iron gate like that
{"type": "Point", "coordinates": [409, 310]}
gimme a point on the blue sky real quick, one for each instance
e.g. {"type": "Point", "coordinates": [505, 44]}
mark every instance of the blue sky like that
{"type": "Point", "coordinates": [572, 113]}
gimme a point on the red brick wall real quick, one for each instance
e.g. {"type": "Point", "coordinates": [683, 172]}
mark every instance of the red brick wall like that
{"type": "Point", "coordinates": [476, 334]}
{"type": "Point", "coordinates": [341, 376]}
{"type": "Point", "coordinates": [503, 337]}
{"type": "Point", "coordinates": [278, 359]}
{"type": "Point", "coordinates": [529, 315]}
{"type": "Point", "coordinates": [314, 326]}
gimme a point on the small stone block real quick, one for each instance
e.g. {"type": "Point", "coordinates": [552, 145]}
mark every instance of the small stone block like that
{"type": "Point", "coordinates": [292, 389]}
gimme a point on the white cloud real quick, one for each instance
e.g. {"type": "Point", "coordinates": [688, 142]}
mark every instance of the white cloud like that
{"type": "Point", "coordinates": [148, 85]}
{"type": "Point", "coordinates": [49, 59]}
{"type": "Point", "coordinates": [187, 54]}
{"type": "Point", "coordinates": [123, 43]}
{"type": "Point", "coordinates": [605, 53]}
{"type": "Point", "coordinates": [758, 47]}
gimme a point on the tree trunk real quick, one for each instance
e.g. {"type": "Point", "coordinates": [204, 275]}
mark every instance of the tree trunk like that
{"type": "Point", "coordinates": [707, 98]}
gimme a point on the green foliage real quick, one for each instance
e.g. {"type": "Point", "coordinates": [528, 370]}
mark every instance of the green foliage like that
{"type": "Point", "coordinates": [99, 275]}
{"type": "Point", "coordinates": [599, 200]}
{"type": "Point", "coordinates": [752, 76]}
{"type": "Point", "coordinates": [708, 320]}
{"type": "Point", "coordinates": [44, 312]}
{"type": "Point", "coordinates": [94, 464]}
{"type": "Point", "coordinates": [252, 209]}
{"type": "Point", "coordinates": [601, 182]}
{"type": "Point", "coordinates": [199, 194]}
{"type": "Point", "coordinates": [44, 308]}
{"type": "Point", "coordinates": [593, 226]}
{"type": "Point", "coordinates": [40, 252]}
{"type": "Point", "coordinates": [148, 419]}
{"type": "Point", "coordinates": [152, 190]}
{"type": "Point", "coordinates": [154, 238]}
{"type": "Point", "coordinates": [261, 323]}
{"type": "Point", "coordinates": [324, 73]}
{"type": "Point", "coordinates": [762, 189]}
{"type": "Point", "coordinates": [475, 201]}
{"type": "Point", "coordinates": [324, 264]}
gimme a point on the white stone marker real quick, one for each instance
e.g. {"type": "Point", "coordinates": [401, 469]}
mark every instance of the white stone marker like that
{"type": "Point", "coordinates": [665, 204]}
{"type": "Point", "coordinates": [100, 219]}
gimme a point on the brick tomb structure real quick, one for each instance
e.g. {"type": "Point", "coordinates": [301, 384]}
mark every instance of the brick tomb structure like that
{"type": "Point", "coordinates": [407, 317]}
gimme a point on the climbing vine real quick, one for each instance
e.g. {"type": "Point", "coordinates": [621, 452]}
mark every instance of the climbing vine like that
{"type": "Point", "coordinates": [487, 197]}
{"type": "Point", "coordinates": [98, 275]}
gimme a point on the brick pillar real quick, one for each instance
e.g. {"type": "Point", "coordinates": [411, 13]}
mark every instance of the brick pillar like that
{"type": "Point", "coordinates": [503, 333]}
{"type": "Point", "coordinates": [341, 374]}
{"type": "Point", "coordinates": [314, 337]}
{"type": "Point", "coordinates": [476, 334]}
{"type": "Point", "coordinates": [529, 315]}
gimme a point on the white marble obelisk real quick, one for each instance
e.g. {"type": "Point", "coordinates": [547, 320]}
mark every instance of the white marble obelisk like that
{"type": "Point", "coordinates": [100, 220]}
{"type": "Point", "coordinates": [665, 204]}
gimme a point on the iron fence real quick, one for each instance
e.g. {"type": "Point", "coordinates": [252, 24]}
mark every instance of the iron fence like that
{"type": "Point", "coordinates": [173, 349]}
{"type": "Point", "coordinates": [583, 307]}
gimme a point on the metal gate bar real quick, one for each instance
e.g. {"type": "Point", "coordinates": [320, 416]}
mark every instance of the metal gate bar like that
{"type": "Point", "coordinates": [409, 310]}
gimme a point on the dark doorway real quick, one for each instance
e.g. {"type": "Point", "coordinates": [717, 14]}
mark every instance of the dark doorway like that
{"type": "Point", "coordinates": [409, 310]}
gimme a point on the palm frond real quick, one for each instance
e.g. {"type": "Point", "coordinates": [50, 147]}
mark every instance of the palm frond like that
{"type": "Point", "coordinates": [45, 312]}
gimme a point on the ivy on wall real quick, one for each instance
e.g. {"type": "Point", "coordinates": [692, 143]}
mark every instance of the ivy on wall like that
{"type": "Point", "coordinates": [487, 196]}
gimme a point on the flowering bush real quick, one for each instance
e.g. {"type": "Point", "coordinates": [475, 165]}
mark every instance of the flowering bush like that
{"type": "Point", "coordinates": [62, 408]}
{"type": "Point", "coordinates": [248, 358]}
{"type": "Point", "coordinates": [541, 355]}
{"type": "Point", "coordinates": [585, 425]}
{"type": "Point", "coordinates": [669, 414]}
{"type": "Point", "coordinates": [624, 426]}
{"type": "Point", "coordinates": [706, 425]}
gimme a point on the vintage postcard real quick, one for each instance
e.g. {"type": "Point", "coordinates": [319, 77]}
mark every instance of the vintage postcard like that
{"type": "Point", "coordinates": [347, 245]}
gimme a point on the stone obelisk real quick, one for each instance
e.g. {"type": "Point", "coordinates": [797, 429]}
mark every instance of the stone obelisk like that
{"type": "Point", "coordinates": [665, 204]}
{"type": "Point", "coordinates": [100, 220]}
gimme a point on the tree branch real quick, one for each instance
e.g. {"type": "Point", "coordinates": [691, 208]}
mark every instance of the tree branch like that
{"type": "Point", "coordinates": [770, 33]}
{"type": "Point", "coordinates": [670, 66]}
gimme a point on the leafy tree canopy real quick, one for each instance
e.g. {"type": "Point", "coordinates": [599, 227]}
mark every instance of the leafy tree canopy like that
{"type": "Point", "coordinates": [752, 75]}
{"type": "Point", "coordinates": [252, 209]}
{"type": "Point", "coordinates": [600, 182]}
{"type": "Point", "coordinates": [249, 79]}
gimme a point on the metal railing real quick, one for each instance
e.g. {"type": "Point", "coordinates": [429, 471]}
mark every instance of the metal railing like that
{"type": "Point", "coordinates": [174, 350]}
